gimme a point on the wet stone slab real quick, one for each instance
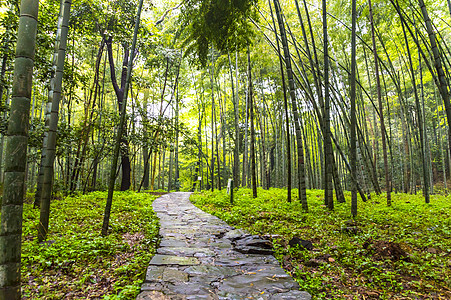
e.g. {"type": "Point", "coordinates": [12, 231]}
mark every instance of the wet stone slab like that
{"type": "Point", "coordinates": [185, 251]}
{"type": "Point", "coordinates": [201, 257]}
{"type": "Point", "coordinates": [163, 260]}
{"type": "Point", "coordinates": [172, 243]}
{"type": "Point", "coordinates": [212, 270]}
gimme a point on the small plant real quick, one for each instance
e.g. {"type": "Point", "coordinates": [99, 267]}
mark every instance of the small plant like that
{"type": "Point", "coordinates": [386, 252]}
{"type": "Point", "coordinates": [76, 261]}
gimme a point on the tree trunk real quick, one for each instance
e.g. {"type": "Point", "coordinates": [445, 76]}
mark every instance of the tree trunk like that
{"type": "Point", "coordinates": [212, 181]}
{"type": "Point", "coordinates": [251, 112]}
{"type": "Point", "coordinates": [16, 153]}
{"type": "Point", "coordinates": [87, 124]}
{"type": "Point", "coordinates": [443, 86]}
{"type": "Point", "coordinates": [176, 154]}
{"type": "Point", "coordinates": [285, 104]}
{"type": "Point", "coordinates": [40, 180]}
{"type": "Point", "coordinates": [264, 165]}
{"type": "Point", "coordinates": [246, 145]}
{"type": "Point", "coordinates": [120, 95]}
{"type": "Point", "coordinates": [353, 140]}
{"type": "Point", "coordinates": [328, 153]}
{"type": "Point", "coordinates": [106, 218]}
{"type": "Point", "coordinates": [299, 142]}
{"type": "Point", "coordinates": [420, 121]}
{"type": "Point", "coordinates": [199, 153]}
{"type": "Point", "coordinates": [381, 110]}
{"type": "Point", "coordinates": [236, 150]}
{"type": "Point", "coordinates": [47, 183]}
{"type": "Point", "coordinates": [171, 159]}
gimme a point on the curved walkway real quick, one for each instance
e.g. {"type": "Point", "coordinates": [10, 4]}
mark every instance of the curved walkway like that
{"type": "Point", "coordinates": [198, 259]}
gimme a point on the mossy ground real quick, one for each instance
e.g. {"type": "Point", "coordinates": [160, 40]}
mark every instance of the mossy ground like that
{"type": "Point", "coordinates": [76, 262]}
{"type": "Point", "coordinates": [355, 264]}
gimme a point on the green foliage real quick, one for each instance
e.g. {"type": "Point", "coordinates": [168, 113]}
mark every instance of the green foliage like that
{"type": "Point", "coordinates": [344, 264]}
{"type": "Point", "coordinates": [36, 133]}
{"type": "Point", "coordinates": [223, 24]}
{"type": "Point", "coordinates": [76, 261]}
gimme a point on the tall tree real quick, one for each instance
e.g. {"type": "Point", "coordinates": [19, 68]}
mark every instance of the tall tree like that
{"type": "Point", "coordinates": [353, 113]}
{"type": "Point", "coordinates": [40, 179]}
{"type": "Point", "coordinates": [419, 121]}
{"type": "Point", "coordinates": [121, 128]}
{"type": "Point", "coordinates": [16, 153]}
{"type": "Point", "coordinates": [381, 109]}
{"type": "Point", "coordinates": [47, 183]}
{"type": "Point", "coordinates": [442, 83]}
{"type": "Point", "coordinates": [328, 153]}
{"type": "Point", "coordinates": [251, 115]}
{"type": "Point", "coordinates": [236, 149]}
{"type": "Point", "coordinates": [285, 106]}
{"type": "Point", "coordinates": [120, 95]}
{"type": "Point", "coordinates": [294, 105]}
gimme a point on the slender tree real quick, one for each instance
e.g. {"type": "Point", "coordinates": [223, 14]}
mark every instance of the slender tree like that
{"type": "Point", "coordinates": [47, 183]}
{"type": "Point", "coordinates": [381, 109]}
{"type": "Point", "coordinates": [353, 140]}
{"type": "Point", "coordinates": [251, 113]}
{"type": "Point", "coordinates": [328, 153]}
{"type": "Point", "coordinates": [285, 106]}
{"type": "Point", "coordinates": [121, 128]}
{"type": "Point", "coordinates": [40, 179]}
{"type": "Point", "coordinates": [296, 117]}
{"type": "Point", "coordinates": [442, 82]}
{"type": "Point", "coordinates": [419, 121]}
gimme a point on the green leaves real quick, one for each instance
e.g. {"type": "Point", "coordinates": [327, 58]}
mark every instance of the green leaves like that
{"type": "Point", "coordinates": [77, 260]}
{"type": "Point", "coordinates": [223, 24]}
{"type": "Point", "coordinates": [340, 261]}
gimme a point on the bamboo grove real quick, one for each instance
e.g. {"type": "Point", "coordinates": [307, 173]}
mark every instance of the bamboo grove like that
{"type": "Point", "coordinates": [343, 95]}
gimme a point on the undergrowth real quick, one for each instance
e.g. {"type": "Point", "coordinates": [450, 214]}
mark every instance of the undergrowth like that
{"type": "Point", "coordinates": [397, 252]}
{"type": "Point", "coordinates": [76, 262]}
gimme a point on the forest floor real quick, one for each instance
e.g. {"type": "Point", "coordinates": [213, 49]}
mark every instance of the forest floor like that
{"type": "Point", "coordinates": [76, 262]}
{"type": "Point", "coordinates": [397, 252]}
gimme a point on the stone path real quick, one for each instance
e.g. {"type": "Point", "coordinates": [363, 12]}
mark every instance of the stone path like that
{"type": "Point", "coordinates": [198, 258]}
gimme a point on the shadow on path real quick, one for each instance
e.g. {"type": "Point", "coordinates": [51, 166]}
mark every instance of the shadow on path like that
{"type": "Point", "coordinates": [197, 259]}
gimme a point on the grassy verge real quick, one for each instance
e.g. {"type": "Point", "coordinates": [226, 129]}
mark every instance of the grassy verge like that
{"type": "Point", "coordinates": [398, 252]}
{"type": "Point", "coordinates": [76, 262]}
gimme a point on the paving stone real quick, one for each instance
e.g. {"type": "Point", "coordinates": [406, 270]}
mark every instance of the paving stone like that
{"type": "Point", "coordinates": [236, 233]}
{"type": "Point", "coordinates": [253, 283]}
{"type": "Point", "coordinates": [153, 295]}
{"type": "Point", "coordinates": [172, 235]}
{"type": "Point", "coordinates": [160, 260]}
{"type": "Point", "coordinates": [195, 288]}
{"type": "Point", "coordinates": [204, 279]}
{"type": "Point", "coordinates": [266, 271]}
{"type": "Point", "coordinates": [184, 231]}
{"type": "Point", "coordinates": [154, 273]}
{"type": "Point", "coordinates": [152, 286]}
{"type": "Point", "coordinates": [253, 245]}
{"type": "Point", "coordinates": [195, 297]}
{"type": "Point", "coordinates": [233, 296]}
{"type": "Point", "coordinates": [172, 243]}
{"type": "Point", "coordinates": [185, 251]}
{"type": "Point", "coordinates": [222, 245]}
{"type": "Point", "coordinates": [211, 270]}
{"type": "Point", "coordinates": [244, 260]}
{"type": "Point", "coordinates": [174, 275]}
{"type": "Point", "coordinates": [198, 259]}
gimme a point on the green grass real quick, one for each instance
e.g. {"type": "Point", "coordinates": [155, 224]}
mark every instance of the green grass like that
{"type": "Point", "coordinates": [348, 268]}
{"type": "Point", "coordinates": [76, 262]}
